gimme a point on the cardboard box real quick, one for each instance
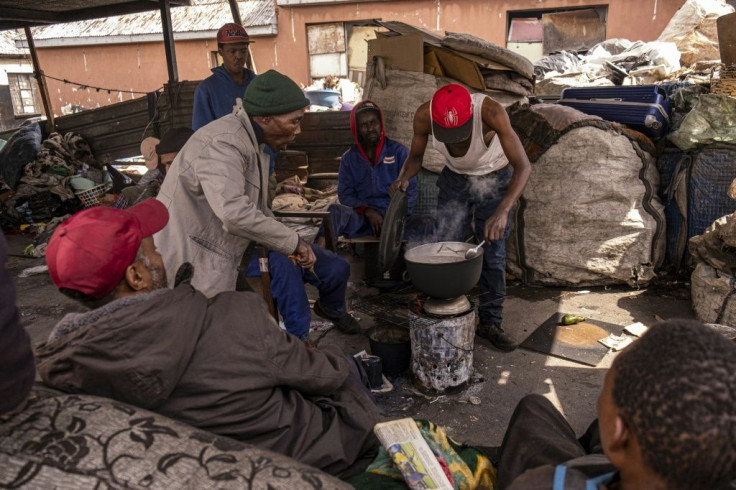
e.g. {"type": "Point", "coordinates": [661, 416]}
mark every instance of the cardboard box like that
{"type": "Point", "coordinates": [455, 65]}
{"type": "Point", "coordinates": [410, 49]}
{"type": "Point", "coordinates": [405, 52]}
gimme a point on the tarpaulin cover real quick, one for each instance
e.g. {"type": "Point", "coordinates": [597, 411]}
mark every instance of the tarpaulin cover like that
{"type": "Point", "coordinates": [20, 150]}
{"type": "Point", "coordinates": [590, 214]}
{"type": "Point", "coordinates": [712, 120]}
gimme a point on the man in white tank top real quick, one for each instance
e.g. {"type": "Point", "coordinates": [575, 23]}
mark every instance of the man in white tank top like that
{"type": "Point", "coordinates": [485, 173]}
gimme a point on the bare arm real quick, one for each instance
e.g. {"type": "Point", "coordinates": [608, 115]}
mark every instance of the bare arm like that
{"type": "Point", "coordinates": [413, 164]}
{"type": "Point", "coordinates": [495, 116]}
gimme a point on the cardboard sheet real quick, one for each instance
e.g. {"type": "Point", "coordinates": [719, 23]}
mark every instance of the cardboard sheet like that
{"type": "Point", "coordinates": [404, 52]}
{"type": "Point", "coordinates": [577, 342]}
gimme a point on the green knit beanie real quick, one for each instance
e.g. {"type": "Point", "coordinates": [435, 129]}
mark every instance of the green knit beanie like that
{"type": "Point", "coordinates": [272, 94]}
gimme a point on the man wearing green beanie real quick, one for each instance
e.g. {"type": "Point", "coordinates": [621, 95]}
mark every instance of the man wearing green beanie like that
{"type": "Point", "coordinates": [216, 192]}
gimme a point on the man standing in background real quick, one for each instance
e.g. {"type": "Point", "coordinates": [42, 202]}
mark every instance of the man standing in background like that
{"type": "Point", "coordinates": [215, 96]}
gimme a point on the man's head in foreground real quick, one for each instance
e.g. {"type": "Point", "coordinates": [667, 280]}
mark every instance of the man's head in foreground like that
{"type": "Point", "coordinates": [277, 105]}
{"type": "Point", "coordinates": [667, 411]}
{"type": "Point", "coordinates": [232, 44]}
{"type": "Point", "coordinates": [101, 254]}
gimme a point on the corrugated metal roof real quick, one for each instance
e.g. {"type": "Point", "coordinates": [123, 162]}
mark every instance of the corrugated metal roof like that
{"type": "Point", "coordinates": [16, 14]}
{"type": "Point", "coordinates": [7, 43]}
{"type": "Point", "coordinates": [203, 17]}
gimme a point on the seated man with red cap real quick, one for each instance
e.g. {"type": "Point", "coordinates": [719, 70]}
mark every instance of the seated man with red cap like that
{"type": "Point", "coordinates": [215, 96]}
{"type": "Point", "coordinates": [220, 364]}
{"type": "Point", "coordinates": [486, 170]}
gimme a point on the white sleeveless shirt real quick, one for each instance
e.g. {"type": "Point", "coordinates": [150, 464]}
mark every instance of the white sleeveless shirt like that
{"type": "Point", "coordinates": [479, 159]}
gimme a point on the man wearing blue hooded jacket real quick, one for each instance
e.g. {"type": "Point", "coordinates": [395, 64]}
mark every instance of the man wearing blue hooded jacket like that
{"type": "Point", "coordinates": [215, 96]}
{"type": "Point", "coordinates": [367, 170]}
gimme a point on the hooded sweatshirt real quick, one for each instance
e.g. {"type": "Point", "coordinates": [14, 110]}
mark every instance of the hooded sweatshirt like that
{"type": "Point", "coordinates": [363, 183]}
{"type": "Point", "coordinates": [215, 96]}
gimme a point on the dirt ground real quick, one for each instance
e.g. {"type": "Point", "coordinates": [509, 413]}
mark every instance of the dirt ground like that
{"type": "Point", "coordinates": [477, 414]}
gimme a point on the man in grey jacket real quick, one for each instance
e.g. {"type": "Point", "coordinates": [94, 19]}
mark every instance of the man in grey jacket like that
{"type": "Point", "coordinates": [216, 192]}
{"type": "Point", "coordinates": [220, 364]}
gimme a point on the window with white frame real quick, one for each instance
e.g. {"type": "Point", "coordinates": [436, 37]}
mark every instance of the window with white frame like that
{"type": "Point", "coordinates": [327, 50]}
{"type": "Point", "coordinates": [340, 49]}
{"type": "Point", "coordinates": [24, 94]}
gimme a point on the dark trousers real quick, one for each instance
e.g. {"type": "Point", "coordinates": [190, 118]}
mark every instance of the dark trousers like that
{"type": "Point", "coordinates": [464, 200]}
{"type": "Point", "coordinates": [539, 435]}
{"type": "Point", "coordinates": [348, 223]}
{"type": "Point", "coordinates": [287, 286]}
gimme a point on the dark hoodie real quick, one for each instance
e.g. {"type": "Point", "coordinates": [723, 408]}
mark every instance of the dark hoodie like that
{"type": "Point", "coordinates": [215, 96]}
{"type": "Point", "coordinates": [17, 369]}
{"type": "Point", "coordinates": [364, 184]}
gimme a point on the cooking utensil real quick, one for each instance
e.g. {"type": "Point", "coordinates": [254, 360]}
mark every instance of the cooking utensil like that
{"type": "Point", "coordinates": [392, 231]}
{"type": "Point", "coordinates": [440, 270]}
{"type": "Point", "coordinates": [293, 257]}
{"type": "Point", "coordinates": [474, 251]}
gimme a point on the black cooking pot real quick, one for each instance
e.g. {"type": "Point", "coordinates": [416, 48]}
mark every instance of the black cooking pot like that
{"type": "Point", "coordinates": [440, 270]}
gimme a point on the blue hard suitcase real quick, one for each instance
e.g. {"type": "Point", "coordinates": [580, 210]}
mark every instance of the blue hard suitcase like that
{"type": "Point", "coordinates": [644, 108]}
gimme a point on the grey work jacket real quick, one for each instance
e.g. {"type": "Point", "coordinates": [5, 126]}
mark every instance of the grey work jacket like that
{"type": "Point", "coordinates": [216, 192]}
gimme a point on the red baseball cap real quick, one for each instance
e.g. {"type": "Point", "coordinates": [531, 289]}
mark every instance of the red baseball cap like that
{"type": "Point", "coordinates": [90, 251]}
{"type": "Point", "coordinates": [452, 114]}
{"type": "Point", "coordinates": [232, 33]}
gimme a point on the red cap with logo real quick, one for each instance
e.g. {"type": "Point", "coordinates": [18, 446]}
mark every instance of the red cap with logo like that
{"type": "Point", "coordinates": [232, 33]}
{"type": "Point", "coordinates": [452, 114]}
{"type": "Point", "coordinates": [90, 251]}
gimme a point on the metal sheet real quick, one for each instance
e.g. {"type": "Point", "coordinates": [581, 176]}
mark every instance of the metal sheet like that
{"type": "Point", "coordinates": [116, 131]}
{"type": "Point", "coordinates": [204, 19]}
{"type": "Point", "coordinates": [15, 14]}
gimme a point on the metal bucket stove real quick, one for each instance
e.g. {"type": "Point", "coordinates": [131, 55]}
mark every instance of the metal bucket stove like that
{"type": "Point", "coordinates": [442, 323]}
{"type": "Point", "coordinates": [442, 343]}
{"type": "Point", "coordinates": [442, 326]}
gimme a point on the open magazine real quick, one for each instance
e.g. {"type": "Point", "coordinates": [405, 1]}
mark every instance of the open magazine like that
{"type": "Point", "coordinates": [411, 454]}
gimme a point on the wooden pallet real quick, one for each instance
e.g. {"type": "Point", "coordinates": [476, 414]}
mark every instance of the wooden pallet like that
{"type": "Point", "coordinates": [726, 85]}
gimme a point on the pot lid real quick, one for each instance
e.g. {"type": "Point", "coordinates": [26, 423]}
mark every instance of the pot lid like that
{"type": "Point", "coordinates": [392, 231]}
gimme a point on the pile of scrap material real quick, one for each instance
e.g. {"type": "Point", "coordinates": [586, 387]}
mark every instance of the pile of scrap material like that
{"type": "Point", "coordinates": [36, 176]}
{"type": "Point", "coordinates": [713, 280]}
{"type": "Point", "coordinates": [686, 51]}
{"type": "Point", "coordinates": [406, 65]}
{"type": "Point", "coordinates": [590, 214]}
{"type": "Point", "coordinates": [293, 195]}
